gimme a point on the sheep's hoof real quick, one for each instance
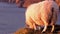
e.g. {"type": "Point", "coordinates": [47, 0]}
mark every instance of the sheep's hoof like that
{"type": "Point", "coordinates": [43, 31]}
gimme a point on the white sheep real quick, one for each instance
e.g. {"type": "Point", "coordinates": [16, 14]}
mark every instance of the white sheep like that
{"type": "Point", "coordinates": [43, 14]}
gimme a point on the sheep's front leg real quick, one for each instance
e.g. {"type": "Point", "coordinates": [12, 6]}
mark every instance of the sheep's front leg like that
{"type": "Point", "coordinates": [52, 28]}
{"type": "Point", "coordinates": [45, 25]}
{"type": "Point", "coordinates": [45, 28]}
{"type": "Point", "coordinates": [34, 26]}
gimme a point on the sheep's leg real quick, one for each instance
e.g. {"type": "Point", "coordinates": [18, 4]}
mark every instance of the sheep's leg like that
{"type": "Point", "coordinates": [34, 26]}
{"type": "Point", "coordinates": [39, 28]}
{"type": "Point", "coordinates": [52, 28]}
{"type": "Point", "coordinates": [45, 28]}
{"type": "Point", "coordinates": [45, 25]}
{"type": "Point", "coordinates": [29, 24]}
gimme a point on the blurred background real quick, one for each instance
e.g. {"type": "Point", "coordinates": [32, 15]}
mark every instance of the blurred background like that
{"type": "Point", "coordinates": [25, 3]}
{"type": "Point", "coordinates": [12, 14]}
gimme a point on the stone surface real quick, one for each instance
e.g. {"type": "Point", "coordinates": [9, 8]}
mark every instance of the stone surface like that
{"type": "Point", "coordinates": [58, 2]}
{"type": "Point", "coordinates": [28, 2]}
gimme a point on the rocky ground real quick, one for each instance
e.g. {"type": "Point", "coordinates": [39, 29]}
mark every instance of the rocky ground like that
{"type": "Point", "coordinates": [31, 31]}
{"type": "Point", "coordinates": [25, 3]}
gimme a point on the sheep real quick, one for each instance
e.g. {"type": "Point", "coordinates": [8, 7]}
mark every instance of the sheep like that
{"type": "Point", "coordinates": [11, 1]}
{"type": "Point", "coordinates": [43, 14]}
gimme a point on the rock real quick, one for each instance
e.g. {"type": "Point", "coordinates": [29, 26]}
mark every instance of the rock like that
{"type": "Point", "coordinates": [11, 1]}
{"type": "Point", "coordinates": [32, 31]}
{"type": "Point", "coordinates": [58, 2]}
{"type": "Point", "coordinates": [3, 1]}
{"type": "Point", "coordinates": [25, 3]}
{"type": "Point", "coordinates": [28, 2]}
{"type": "Point", "coordinates": [19, 3]}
